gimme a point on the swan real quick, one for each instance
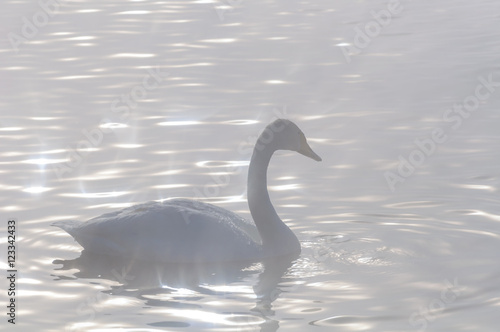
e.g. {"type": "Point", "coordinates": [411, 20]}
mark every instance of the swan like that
{"type": "Point", "coordinates": [181, 230]}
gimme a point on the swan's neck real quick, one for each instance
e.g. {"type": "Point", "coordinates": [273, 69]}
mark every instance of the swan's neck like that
{"type": "Point", "coordinates": [277, 238]}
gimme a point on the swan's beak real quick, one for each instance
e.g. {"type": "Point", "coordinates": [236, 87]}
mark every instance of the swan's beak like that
{"type": "Point", "coordinates": [306, 150]}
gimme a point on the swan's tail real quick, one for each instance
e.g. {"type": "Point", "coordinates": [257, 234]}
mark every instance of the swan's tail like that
{"type": "Point", "coordinates": [67, 225]}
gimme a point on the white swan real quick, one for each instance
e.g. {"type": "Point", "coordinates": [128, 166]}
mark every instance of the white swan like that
{"type": "Point", "coordinates": [188, 231]}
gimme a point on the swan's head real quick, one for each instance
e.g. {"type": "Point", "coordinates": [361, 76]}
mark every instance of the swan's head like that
{"type": "Point", "coordinates": [285, 135]}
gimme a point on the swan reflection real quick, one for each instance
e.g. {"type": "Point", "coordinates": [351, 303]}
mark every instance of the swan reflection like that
{"type": "Point", "coordinates": [179, 285]}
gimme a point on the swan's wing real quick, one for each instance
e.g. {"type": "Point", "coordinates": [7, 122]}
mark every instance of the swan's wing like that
{"type": "Point", "coordinates": [193, 208]}
{"type": "Point", "coordinates": [173, 230]}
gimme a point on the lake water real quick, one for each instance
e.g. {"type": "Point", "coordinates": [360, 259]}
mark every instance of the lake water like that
{"type": "Point", "coordinates": [109, 104]}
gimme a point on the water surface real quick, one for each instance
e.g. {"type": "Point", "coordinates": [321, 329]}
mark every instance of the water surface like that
{"type": "Point", "coordinates": [116, 103]}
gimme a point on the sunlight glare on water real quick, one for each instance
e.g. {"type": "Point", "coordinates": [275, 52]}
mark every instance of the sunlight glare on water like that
{"type": "Point", "coordinates": [109, 104]}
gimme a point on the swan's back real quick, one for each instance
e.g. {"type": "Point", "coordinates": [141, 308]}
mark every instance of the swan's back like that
{"type": "Point", "coordinates": [175, 230]}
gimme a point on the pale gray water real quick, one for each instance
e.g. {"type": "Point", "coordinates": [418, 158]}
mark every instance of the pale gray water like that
{"type": "Point", "coordinates": [421, 257]}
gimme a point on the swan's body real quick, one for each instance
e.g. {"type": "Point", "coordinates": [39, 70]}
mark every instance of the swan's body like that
{"type": "Point", "coordinates": [183, 230]}
{"type": "Point", "coordinates": [176, 230]}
